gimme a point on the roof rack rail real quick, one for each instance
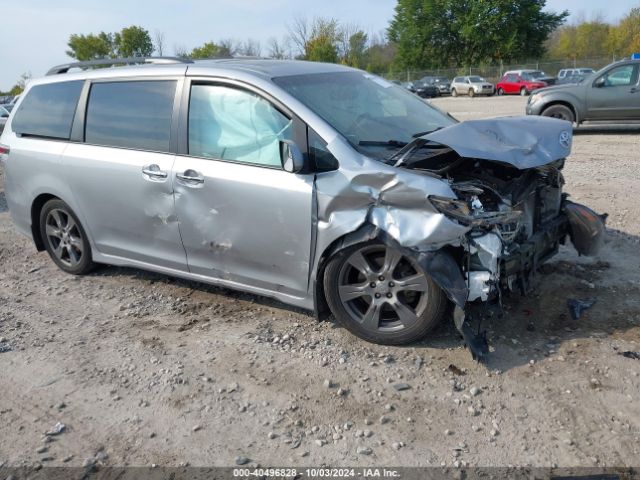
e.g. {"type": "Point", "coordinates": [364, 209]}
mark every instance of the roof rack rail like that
{"type": "Point", "coordinates": [105, 62]}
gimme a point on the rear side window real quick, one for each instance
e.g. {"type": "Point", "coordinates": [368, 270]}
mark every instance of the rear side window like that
{"type": "Point", "coordinates": [48, 110]}
{"type": "Point", "coordinates": [133, 115]}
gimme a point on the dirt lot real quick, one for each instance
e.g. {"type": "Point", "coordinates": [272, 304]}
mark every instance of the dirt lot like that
{"type": "Point", "coordinates": [144, 369]}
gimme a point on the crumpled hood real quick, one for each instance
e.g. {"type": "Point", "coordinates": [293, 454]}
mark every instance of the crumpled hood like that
{"type": "Point", "coordinates": [523, 142]}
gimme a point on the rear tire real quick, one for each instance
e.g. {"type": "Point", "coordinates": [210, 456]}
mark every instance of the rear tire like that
{"type": "Point", "coordinates": [561, 112]}
{"type": "Point", "coordinates": [64, 238]}
{"type": "Point", "coordinates": [454, 92]}
{"type": "Point", "coordinates": [382, 296]}
{"type": "Point", "coordinates": [523, 92]}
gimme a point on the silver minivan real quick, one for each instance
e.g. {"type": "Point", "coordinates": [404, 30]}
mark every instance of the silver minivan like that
{"type": "Point", "coordinates": [320, 185]}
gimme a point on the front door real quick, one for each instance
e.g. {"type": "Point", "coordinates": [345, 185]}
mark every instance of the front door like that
{"type": "Point", "coordinates": [242, 217]}
{"type": "Point", "coordinates": [615, 95]}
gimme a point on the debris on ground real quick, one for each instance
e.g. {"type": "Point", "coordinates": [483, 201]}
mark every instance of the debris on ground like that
{"type": "Point", "coordinates": [577, 306]}
{"type": "Point", "coordinates": [455, 370]}
{"type": "Point", "coordinates": [56, 430]}
{"type": "Point", "coordinates": [5, 348]}
{"type": "Point", "coordinates": [401, 386]}
{"type": "Point", "coordinates": [629, 354]}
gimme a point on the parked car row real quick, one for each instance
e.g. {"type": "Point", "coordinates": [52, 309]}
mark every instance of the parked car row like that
{"type": "Point", "coordinates": [517, 82]}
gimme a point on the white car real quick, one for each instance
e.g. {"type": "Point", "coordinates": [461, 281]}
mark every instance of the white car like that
{"type": "Point", "coordinates": [471, 85]}
{"type": "Point", "coordinates": [573, 72]}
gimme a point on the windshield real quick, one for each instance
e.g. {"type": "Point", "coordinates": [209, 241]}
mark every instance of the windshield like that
{"type": "Point", "coordinates": [375, 116]}
{"type": "Point", "coordinates": [441, 80]}
{"type": "Point", "coordinates": [537, 74]}
{"type": "Point", "coordinates": [476, 79]}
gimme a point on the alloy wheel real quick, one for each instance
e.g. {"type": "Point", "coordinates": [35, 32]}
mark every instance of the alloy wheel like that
{"type": "Point", "coordinates": [382, 290]}
{"type": "Point", "coordinates": [64, 237]}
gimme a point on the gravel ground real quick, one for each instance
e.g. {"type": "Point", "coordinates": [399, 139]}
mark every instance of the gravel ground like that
{"type": "Point", "coordinates": [143, 369]}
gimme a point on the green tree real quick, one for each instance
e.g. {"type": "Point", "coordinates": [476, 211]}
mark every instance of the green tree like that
{"type": "Point", "coordinates": [210, 50]}
{"type": "Point", "coordinates": [625, 37]}
{"type": "Point", "coordinates": [357, 49]}
{"type": "Point", "coordinates": [91, 47]}
{"type": "Point", "coordinates": [321, 48]}
{"type": "Point", "coordinates": [129, 42]}
{"type": "Point", "coordinates": [133, 42]}
{"type": "Point", "coordinates": [434, 33]}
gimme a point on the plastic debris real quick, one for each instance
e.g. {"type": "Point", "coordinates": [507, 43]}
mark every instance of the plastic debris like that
{"type": "Point", "coordinates": [5, 348]}
{"type": "Point", "coordinates": [633, 355]}
{"type": "Point", "coordinates": [576, 306]}
{"type": "Point", "coordinates": [57, 429]}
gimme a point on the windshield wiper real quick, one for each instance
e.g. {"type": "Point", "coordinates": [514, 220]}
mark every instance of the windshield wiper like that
{"type": "Point", "coordinates": [421, 134]}
{"type": "Point", "coordinates": [378, 143]}
{"type": "Point", "coordinates": [401, 155]}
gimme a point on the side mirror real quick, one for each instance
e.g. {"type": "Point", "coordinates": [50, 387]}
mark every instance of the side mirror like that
{"type": "Point", "coordinates": [291, 157]}
{"type": "Point", "coordinates": [599, 83]}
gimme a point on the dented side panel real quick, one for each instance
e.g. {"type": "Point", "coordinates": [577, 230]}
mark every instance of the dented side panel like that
{"type": "Point", "coordinates": [246, 224]}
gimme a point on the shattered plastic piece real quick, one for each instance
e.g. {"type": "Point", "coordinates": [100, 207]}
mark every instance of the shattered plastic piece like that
{"type": "Point", "coordinates": [475, 342]}
{"type": "Point", "coordinates": [5, 348]}
{"type": "Point", "coordinates": [586, 228]}
{"type": "Point", "coordinates": [401, 386]}
{"type": "Point", "coordinates": [57, 429]}
{"type": "Point", "coordinates": [576, 307]}
{"type": "Point", "coordinates": [629, 354]}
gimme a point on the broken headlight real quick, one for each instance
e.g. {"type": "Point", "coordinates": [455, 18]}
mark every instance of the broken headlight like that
{"type": "Point", "coordinates": [469, 215]}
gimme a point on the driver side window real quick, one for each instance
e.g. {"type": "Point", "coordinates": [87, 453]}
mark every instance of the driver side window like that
{"type": "Point", "coordinates": [231, 124]}
{"type": "Point", "coordinates": [624, 75]}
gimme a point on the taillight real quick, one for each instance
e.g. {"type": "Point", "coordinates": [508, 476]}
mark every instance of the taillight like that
{"type": "Point", "coordinates": [4, 152]}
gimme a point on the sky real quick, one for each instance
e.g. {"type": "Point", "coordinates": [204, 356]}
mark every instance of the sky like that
{"type": "Point", "coordinates": [34, 33]}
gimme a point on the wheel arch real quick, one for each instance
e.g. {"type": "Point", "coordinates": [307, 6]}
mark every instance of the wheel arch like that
{"type": "Point", "coordinates": [442, 264]}
{"type": "Point", "coordinates": [565, 103]}
{"type": "Point", "coordinates": [36, 208]}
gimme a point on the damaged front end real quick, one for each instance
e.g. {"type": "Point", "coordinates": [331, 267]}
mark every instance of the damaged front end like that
{"type": "Point", "coordinates": [478, 204]}
{"type": "Point", "coordinates": [517, 216]}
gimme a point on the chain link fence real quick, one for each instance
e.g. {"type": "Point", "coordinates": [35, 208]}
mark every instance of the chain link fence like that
{"type": "Point", "coordinates": [493, 73]}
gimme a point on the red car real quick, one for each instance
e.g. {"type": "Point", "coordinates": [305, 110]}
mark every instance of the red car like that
{"type": "Point", "coordinates": [519, 81]}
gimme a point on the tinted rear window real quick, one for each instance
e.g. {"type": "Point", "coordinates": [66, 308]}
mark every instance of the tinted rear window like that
{"type": "Point", "coordinates": [48, 110]}
{"type": "Point", "coordinates": [131, 114]}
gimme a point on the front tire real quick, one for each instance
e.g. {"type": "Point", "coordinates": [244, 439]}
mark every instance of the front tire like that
{"type": "Point", "coordinates": [559, 111]}
{"type": "Point", "coordinates": [471, 92]}
{"type": "Point", "coordinates": [381, 295]}
{"type": "Point", "coordinates": [64, 238]}
{"type": "Point", "coordinates": [500, 92]}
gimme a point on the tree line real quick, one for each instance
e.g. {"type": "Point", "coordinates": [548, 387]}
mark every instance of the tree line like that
{"type": "Point", "coordinates": [422, 34]}
{"type": "Point", "coordinates": [596, 38]}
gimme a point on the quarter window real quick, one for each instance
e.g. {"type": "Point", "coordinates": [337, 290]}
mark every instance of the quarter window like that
{"type": "Point", "coordinates": [133, 115]}
{"type": "Point", "coordinates": [231, 124]}
{"type": "Point", "coordinates": [48, 110]}
{"type": "Point", "coordinates": [321, 158]}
